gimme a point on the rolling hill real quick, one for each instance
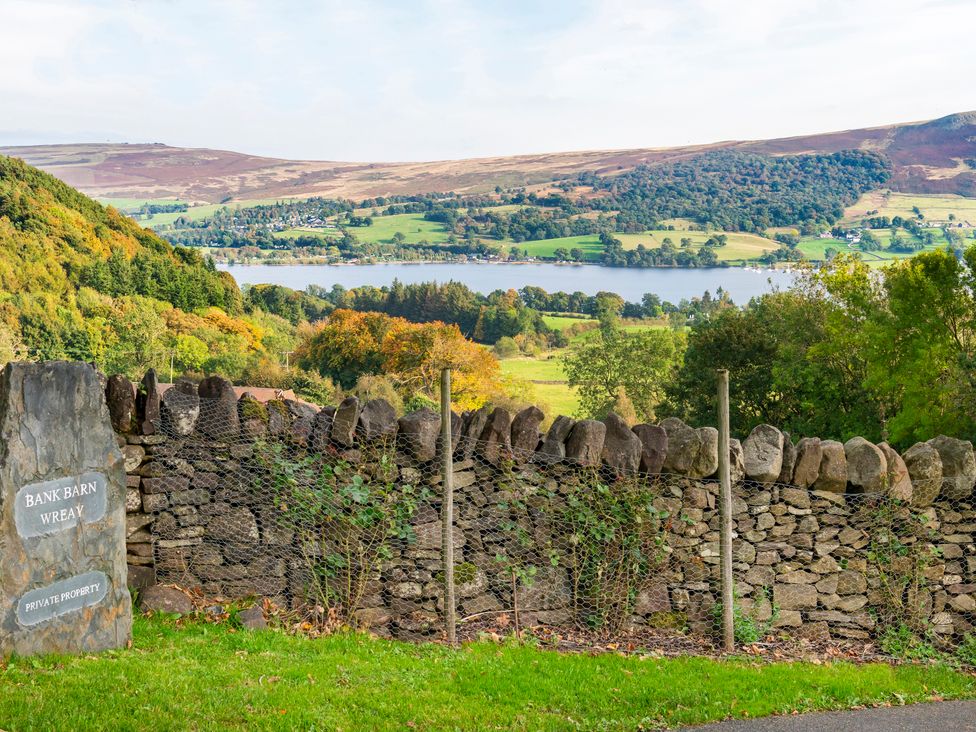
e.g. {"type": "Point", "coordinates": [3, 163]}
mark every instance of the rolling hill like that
{"type": "Point", "coordinates": [936, 156]}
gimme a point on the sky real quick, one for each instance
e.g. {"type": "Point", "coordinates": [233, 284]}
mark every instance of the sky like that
{"type": "Point", "coordinates": [368, 80]}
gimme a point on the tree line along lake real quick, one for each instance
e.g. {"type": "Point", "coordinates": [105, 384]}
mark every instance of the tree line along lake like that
{"type": "Point", "coordinates": [670, 284]}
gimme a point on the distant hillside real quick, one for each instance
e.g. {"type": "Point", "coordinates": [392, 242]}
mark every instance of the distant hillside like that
{"type": "Point", "coordinates": [80, 281]}
{"type": "Point", "coordinates": [937, 156]}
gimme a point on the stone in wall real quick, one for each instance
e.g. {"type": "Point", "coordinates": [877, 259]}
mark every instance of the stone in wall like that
{"type": "Point", "coordinates": [899, 483]}
{"type": "Point", "coordinates": [120, 396]}
{"type": "Point", "coordinates": [219, 418]}
{"type": "Point", "coordinates": [345, 421]}
{"type": "Point", "coordinates": [809, 455]}
{"type": "Point", "coordinates": [867, 466]}
{"type": "Point", "coordinates": [654, 447]}
{"type": "Point", "coordinates": [925, 469]}
{"type": "Point", "coordinates": [148, 404]}
{"type": "Point", "coordinates": [789, 460]}
{"type": "Point", "coordinates": [62, 514]}
{"type": "Point", "coordinates": [253, 417]}
{"type": "Point", "coordinates": [585, 442]}
{"type": "Point", "coordinates": [496, 438]}
{"type": "Point", "coordinates": [762, 454]}
{"type": "Point", "coordinates": [322, 428]}
{"type": "Point", "coordinates": [553, 447]}
{"type": "Point", "coordinates": [180, 408]}
{"type": "Point", "coordinates": [958, 467]}
{"type": "Point", "coordinates": [737, 463]}
{"type": "Point", "coordinates": [621, 447]}
{"type": "Point", "coordinates": [706, 462]}
{"type": "Point", "coordinates": [833, 468]}
{"type": "Point", "coordinates": [525, 431]}
{"type": "Point", "coordinates": [377, 419]}
{"type": "Point", "coordinates": [420, 431]}
{"type": "Point", "coordinates": [302, 421]}
{"type": "Point", "coordinates": [474, 425]}
{"type": "Point", "coordinates": [691, 452]}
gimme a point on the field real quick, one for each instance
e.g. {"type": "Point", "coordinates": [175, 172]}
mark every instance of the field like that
{"type": "Point", "coordinates": [815, 248]}
{"type": "Point", "coordinates": [414, 228]}
{"type": "Point", "coordinates": [934, 208]}
{"type": "Point", "coordinates": [193, 213]}
{"type": "Point", "coordinates": [565, 321]}
{"type": "Point", "coordinates": [180, 676]}
{"type": "Point", "coordinates": [740, 246]}
{"type": "Point", "coordinates": [548, 380]}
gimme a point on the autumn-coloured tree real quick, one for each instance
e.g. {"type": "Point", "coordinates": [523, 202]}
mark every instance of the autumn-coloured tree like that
{"type": "Point", "coordinates": [349, 344]}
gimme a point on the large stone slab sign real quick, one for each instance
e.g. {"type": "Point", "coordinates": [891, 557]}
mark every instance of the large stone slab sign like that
{"type": "Point", "coordinates": [62, 514]}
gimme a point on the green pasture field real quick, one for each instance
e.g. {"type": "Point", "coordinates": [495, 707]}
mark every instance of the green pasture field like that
{"type": "Point", "coordinates": [545, 373]}
{"type": "Point", "coordinates": [934, 208]}
{"type": "Point", "coordinates": [740, 246]}
{"type": "Point", "coordinates": [557, 322]}
{"type": "Point", "coordinates": [414, 228]}
{"type": "Point", "coordinates": [556, 399]}
{"type": "Point", "coordinates": [548, 367]}
{"type": "Point", "coordinates": [182, 675]}
{"type": "Point", "coordinates": [814, 248]}
{"type": "Point", "coordinates": [195, 213]}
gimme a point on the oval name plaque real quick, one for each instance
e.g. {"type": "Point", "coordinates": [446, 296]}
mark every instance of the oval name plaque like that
{"type": "Point", "coordinates": [66, 596]}
{"type": "Point", "coordinates": [56, 505]}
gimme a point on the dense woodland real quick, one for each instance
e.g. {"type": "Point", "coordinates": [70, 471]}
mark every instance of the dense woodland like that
{"type": "Point", "coordinates": [735, 191]}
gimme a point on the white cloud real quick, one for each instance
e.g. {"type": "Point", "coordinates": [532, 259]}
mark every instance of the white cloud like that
{"type": "Point", "coordinates": [449, 78]}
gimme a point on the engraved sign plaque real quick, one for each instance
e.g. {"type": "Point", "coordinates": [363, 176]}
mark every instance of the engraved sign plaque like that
{"type": "Point", "coordinates": [57, 505]}
{"type": "Point", "coordinates": [62, 514]}
{"type": "Point", "coordinates": [61, 598]}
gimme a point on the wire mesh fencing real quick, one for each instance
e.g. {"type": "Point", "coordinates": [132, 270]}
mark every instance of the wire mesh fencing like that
{"type": "Point", "coordinates": [337, 513]}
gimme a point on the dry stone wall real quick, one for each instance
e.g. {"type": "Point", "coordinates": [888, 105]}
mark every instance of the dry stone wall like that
{"type": "Point", "coordinates": [831, 539]}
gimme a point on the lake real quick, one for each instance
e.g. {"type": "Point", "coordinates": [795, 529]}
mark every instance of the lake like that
{"type": "Point", "coordinates": [669, 284]}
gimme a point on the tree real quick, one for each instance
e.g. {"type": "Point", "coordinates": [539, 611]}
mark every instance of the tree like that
{"type": "Point", "coordinates": [616, 365]}
{"type": "Point", "coordinates": [349, 344]}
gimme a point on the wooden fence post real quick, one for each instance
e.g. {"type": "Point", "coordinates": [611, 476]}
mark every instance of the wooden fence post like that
{"type": "Point", "coordinates": [447, 507]}
{"type": "Point", "coordinates": [725, 512]}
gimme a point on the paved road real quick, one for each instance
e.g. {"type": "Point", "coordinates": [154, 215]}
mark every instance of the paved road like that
{"type": "Point", "coordinates": [942, 716]}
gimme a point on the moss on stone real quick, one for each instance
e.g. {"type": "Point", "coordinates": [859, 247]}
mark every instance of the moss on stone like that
{"type": "Point", "coordinates": [253, 409]}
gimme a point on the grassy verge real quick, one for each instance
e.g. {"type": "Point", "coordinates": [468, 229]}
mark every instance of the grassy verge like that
{"type": "Point", "coordinates": [209, 677]}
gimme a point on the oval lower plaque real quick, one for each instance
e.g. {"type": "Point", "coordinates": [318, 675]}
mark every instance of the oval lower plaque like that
{"type": "Point", "coordinates": [66, 596]}
{"type": "Point", "coordinates": [56, 505]}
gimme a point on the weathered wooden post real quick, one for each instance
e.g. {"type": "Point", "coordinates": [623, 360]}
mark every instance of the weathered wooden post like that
{"type": "Point", "coordinates": [725, 511]}
{"type": "Point", "coordinates": [62, 514]}
{"type": "Point", "coordinates": [447, 507]}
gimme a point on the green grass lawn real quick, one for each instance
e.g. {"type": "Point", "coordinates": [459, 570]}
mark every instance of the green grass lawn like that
{"type": "Point", "coordinates": [558, 398]}
{"type": "Point", "coordinates": [413, 227]}
{"type": "Point", "coordinates": [548, 367]}
{"type": "Point", "coordinates": [206, 677]}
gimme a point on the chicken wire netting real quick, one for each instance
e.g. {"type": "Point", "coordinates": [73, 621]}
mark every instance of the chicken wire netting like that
{"type": "Point", "coordinates": [338, 513]}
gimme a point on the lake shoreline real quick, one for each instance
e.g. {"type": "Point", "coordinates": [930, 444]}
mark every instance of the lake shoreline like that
{"type": "Point", "coordinates": [672, 284]}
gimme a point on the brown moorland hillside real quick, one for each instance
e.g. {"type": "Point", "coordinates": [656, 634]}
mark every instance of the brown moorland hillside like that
{"type": "Point", "coordinates": [936, 156]}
